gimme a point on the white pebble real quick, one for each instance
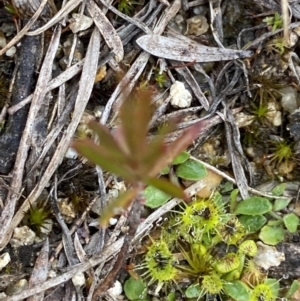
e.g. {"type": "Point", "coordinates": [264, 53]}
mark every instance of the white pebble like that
{"type": "Point", "coordinates": [80, 22]}
{"type": "Point", "coordinates": [289, 100]}
{"type": "Point", "coordinates": [51, 274]}
{"type": "Point", "coordinates": [78, 279]}
{"type": "Point", "coordinates": [2, 295]}
{"type": "Point", "coordinates": [23, 236]}
{"type": "Point", "coordinates": [180, 96]}
{"type": "Point", "coordinates": [277, 120]}
{"type": "Point", "coordinates": [113, 221]}
{"type": "Point", "coordinates": [4, 260]}
{"type": "Point", "coordinates": [11, 51]}
{"type": "Point", "coordinates": [71, 153]}
{"type": "Point", "coordinates": [268, 256]}
{"type": "Point", "coordinates": [116, 289]}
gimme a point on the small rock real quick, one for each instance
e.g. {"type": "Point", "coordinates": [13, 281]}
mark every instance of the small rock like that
{"type": "Point", "coordinates": [8, 28]}
{"type": "Point", "coordinates": [289, 101]}
{"type": "Point", "coordinates": [2, 295]}
{"type": "Point", "coordinates": [11, 51]}
{"type": "Point", "coordinates": [113, 221]}
{"type": "Point", "coordinates": [80, 22]}
{"type": "Point", "coordinates": [197, 25]}
{"type": "Point", "coordinates": [66, 209]}
{"type": "Point", "coordinates": [51, 274]}
{"type": "Point", "coordinates": [116, 289]}
{"type": "Point", "coordinates": [4, 260]}
{"type": "Point", "coordinates": [273, 115]}
{"type": "Point", "coordinates": [71, 153]}
{"type": "Point", "coordinates": [47, 226]}
{"type": "Point", "coordinates": [23, 236]}
{"type": "Point", "coordinates": [267, 256]}
{"type": "Point", "coordinates": [180, 96]}
{"type": "Point", "coordinates": [98, 110]}
{"type": "Point", "coordinates": [292, 41]}
{"type": "Point", "coordinates": [78, 279]}
{"type": "Point", "coordinates": [243, 120]}
{"type": "Point", "coordinates": [286, 167]}
{"type": "Point", "coordinates": [17, 287]}
{"type": "Point", "coordinates": [277, 120]}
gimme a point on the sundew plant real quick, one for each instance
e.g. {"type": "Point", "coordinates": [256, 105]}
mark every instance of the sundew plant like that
{"type": "Point", "coordinates": [207, 248]}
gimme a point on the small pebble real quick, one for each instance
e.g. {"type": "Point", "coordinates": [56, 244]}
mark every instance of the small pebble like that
{"type": "Point", "coordinates": [4, 260]}
{"type": "Point", "coordinates": [78, 279]}
{"type": "Point", "coordinates": [277, 120]}
{"type": "Point", "coordinates": [197, 25]}
{"type": "Point", "coordinates": [51, 274]}
{"type": "Point", "coordinates": [268, 256]}
{"type": "Point", "coordinates": [113, 221]}
{"type": "Point", "coordinates": [2, 295]}
{"type": "Point", "coordinates": [180, 96]}
{"type": "Point", "coordinates": [11, 51]}
{"type": "Point", "coordinates": [67, 209]}
{"type": "Point", "coordinates": [116, 289]}
{"type": "Point", "coordinates": [289, 99]}
{"type": "Point", "coordinates": [80, 22]}
{"type": "Point", "coordinates": [71, 153]}
{"type": "Point", "coordinates": [17, 287]}
{"type": "Point", "coordinates": [23, 236]}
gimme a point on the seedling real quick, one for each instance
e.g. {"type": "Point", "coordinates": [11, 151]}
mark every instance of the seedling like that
{"type": "Point", "coordinates": [282, 151]}
{"type": "Point", "coordinates": [274, 22]}
{"type": "Point", "coordinates": [38, 216]}
{"type": "Point", "coordinates": [128, 153]}
{"type": "Point", "coordinates": [126, 6]}
{"type": "Point", "coordinates": [160, 78]}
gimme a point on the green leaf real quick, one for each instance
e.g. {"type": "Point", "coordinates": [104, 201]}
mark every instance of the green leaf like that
{"type": "Point", "coordinates": [252, 223]}
{"type": "Point", "coordinates": [279, 189]}
{"type": "Point", "coordinates": [117, 206]}
{"type": "Point", "coordinates": [155, 197]}
{"type": "Point", "coordinates": [191, 170]}
{"type": "Point", "coordinates": [280, 204]}
{"type": "Point", "coordinates": [193, 291]}
{"type": "Point", "coordinates": [226, 187]}
{"type": "Point", "coordinates": [274, 285]}
{"type": "Point", "coordinates": [167, 187]}
{"type": "Point", "coordinates": [271, 235]}
{"type": "Point", "coordinates": [275, 223]}
{"type": "Point", "coordinates": [104, 158]}
{"type": "Point", "coordinates": [181, 158]}
{"type": "Point", "coordinates": [292, 290]}
{"type": "Point", "coordinates": [176, 147]}
{"type": "Point", "coordinates": [291, 222]}
{"type": "Point", "coordinates": [233, 199]}
{"type": "Point", "coordinates": [165, 170]}
{"type": "Point", "coordinates": [171, 297]}
{"type": "Point", "coordinates": [255, 205]}
{"type": "Point", "coordinates": [237, 290]}
{"type": "Point", "coordinates": [135, 289]}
